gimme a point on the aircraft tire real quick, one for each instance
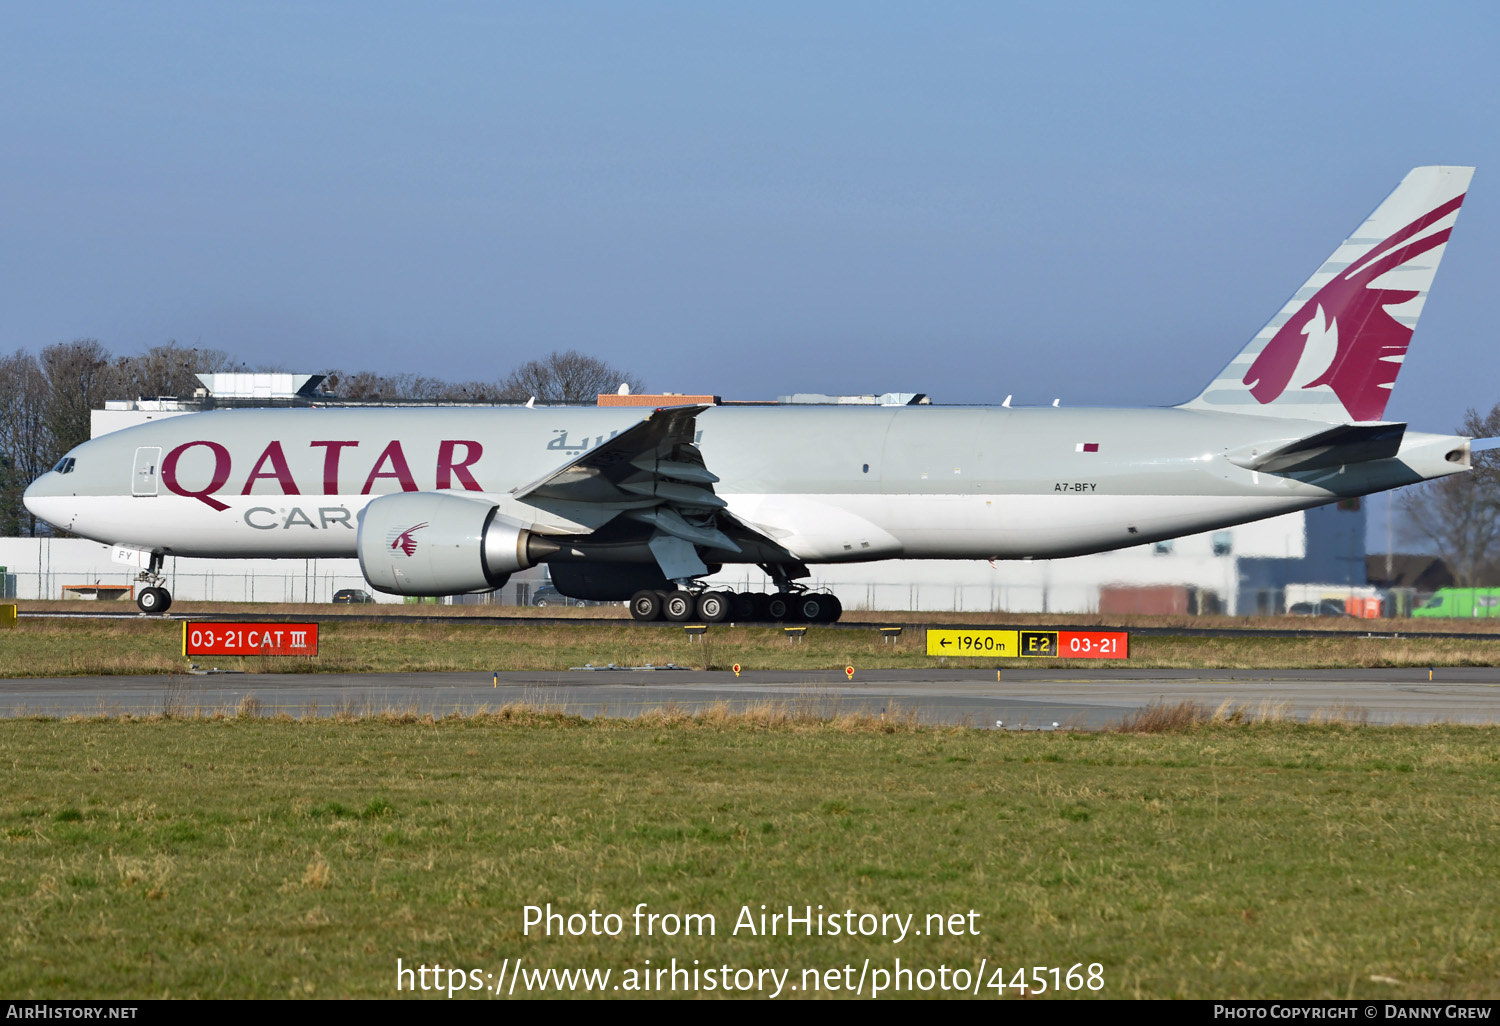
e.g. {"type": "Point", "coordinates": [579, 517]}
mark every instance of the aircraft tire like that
{"type": "Point", "coordinates": [744, 607]}
{"type": "Point", "coordinates": [715, 606]}
{"type": "Point", "coordinates": [761, 600]}
{"type": "Point", "coordinates": [780, 607]}
{"type": "Point", "coordinates": [812, 607]}
{"type": "Point", "coordinates": [645, 605]}
{"type": "Point", "coordinates": [154, 600]}
{"type": "Point", "coordinates": [835, 608]}
{"type": "Point", "coordinates": [679, 606]}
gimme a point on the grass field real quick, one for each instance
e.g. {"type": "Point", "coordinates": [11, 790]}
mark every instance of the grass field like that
{"type": "Point", "coordinates": [142, 645]}
{"type": "Point", "coordinates": [248, 857]}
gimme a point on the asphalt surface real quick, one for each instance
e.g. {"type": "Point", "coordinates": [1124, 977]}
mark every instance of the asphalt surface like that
{"type": "Point", "coordinates": [1021, 699]}
{"type": "Point", "coordinates": [1342, 627]}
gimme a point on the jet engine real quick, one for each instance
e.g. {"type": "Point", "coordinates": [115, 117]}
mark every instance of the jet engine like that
{"type": "Point", "coordinates": [438, 543]}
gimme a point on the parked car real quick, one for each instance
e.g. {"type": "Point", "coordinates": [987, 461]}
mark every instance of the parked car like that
{"type": "Point", "coordinates": [1328, 607]}
{"type": "Point", "coordinates": [352, 596]}
{"type": "Point", "coordinates": [547, 595]}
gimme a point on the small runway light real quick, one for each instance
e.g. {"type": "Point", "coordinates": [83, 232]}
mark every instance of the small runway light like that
{"type": "Point", "coordinates": [496, 682]}
{"type": "Point", "coordinates": [849, 672]}
{"type": "Point", "coordinates": [736, 669]}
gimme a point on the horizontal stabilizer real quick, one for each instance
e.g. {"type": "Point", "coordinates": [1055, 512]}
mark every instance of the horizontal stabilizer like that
{"type": "Point", "coordinates": [1347, 443]}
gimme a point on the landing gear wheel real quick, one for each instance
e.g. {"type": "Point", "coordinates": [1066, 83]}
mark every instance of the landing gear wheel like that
{"type": "Point", "coordinates": [714, 606]}
{"type": "Point", "coordinates": [743, 606]}
{"type": "Point", "coordinates": [835, 608]}
{"type": "Point", "coordinates": [154, 600]}
{"type": "Point", "coordinates": [646, 605]}
{"type": "Point", "coordinates": [780, 606]}
{"type": "Point", "coordinates": [812, 608]}
{"type": "Point", "coordinates": [679, 606]}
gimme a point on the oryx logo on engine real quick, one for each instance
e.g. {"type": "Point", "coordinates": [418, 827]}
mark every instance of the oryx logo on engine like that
{"type": "Point", "coordinates": [402, 541]}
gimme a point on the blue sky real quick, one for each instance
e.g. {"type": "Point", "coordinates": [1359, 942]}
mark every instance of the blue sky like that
{"type": "Point", "coordinates": [1097, 202]}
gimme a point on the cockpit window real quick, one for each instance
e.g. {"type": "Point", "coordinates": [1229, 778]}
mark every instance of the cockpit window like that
{"type": "Point", "coordinates": [64, 465]}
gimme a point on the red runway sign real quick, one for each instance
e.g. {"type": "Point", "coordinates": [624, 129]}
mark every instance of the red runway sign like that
{"type": "Point", "coordinates": [250, 639]}
{"type": "Point", "coordinates": [1093, 644]}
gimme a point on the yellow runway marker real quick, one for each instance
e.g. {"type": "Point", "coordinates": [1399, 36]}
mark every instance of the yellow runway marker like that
{"type": "Point", "coordinates": [973, 643]}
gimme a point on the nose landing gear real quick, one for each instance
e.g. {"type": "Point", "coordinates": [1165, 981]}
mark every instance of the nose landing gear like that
{"type": "Point", "coordinates": [153, 599]}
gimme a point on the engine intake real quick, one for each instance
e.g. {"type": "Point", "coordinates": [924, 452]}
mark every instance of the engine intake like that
{"type": "Point", "coordinates": [436, 543]}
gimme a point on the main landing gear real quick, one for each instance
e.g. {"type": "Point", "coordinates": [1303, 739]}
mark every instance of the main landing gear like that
{"type": "Point", "coordinates": [717, 606]}
{"type": "Point", "coordinates": [154, 598]}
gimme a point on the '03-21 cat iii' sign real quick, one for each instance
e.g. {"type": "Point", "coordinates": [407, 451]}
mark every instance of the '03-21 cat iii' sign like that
{"type": "Point", "coordinates": [249, 639]}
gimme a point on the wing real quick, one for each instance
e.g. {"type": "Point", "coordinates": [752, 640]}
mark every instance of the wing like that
{"type": "Point", "coordinates": [650, 483]}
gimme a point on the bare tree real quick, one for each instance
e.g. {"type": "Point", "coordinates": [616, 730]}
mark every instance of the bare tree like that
{"type": "Point", "coordinates": [560, 377]}
{"type": "Point", "coordinates": [568, 377]}
{"type": "Point", "coordinates": [78, 374]}
{"type": "Point", "coordinates": [24, 442]}
{"type": "Point", "coordinates": [165, 370]}
{"type": "Point", "coordinates": [1460, 515]}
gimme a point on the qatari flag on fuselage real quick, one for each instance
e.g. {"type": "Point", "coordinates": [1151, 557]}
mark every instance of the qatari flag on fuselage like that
{"type": "Point", "coordinates": [1087, 447]}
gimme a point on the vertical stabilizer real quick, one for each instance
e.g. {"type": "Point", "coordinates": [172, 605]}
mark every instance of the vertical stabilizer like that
{"type": "Point", "coordinates": [1333, 351]}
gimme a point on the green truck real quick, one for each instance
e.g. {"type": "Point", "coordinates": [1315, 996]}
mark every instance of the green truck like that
{"type": "Point", "coordinates": [1469, 603]}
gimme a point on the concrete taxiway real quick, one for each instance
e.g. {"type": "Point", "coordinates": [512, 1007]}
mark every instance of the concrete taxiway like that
{"type": "Point", "coordinates": [1086, 699]}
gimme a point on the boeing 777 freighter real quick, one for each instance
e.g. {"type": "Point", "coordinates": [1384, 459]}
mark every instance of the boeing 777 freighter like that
{"type": "Point", "coordinates": [623, 504]}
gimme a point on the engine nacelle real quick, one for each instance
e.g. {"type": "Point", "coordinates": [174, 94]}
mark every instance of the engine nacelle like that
{"type": "Point", "coordinates": [438, 543]}
{"type": "Point", "coordinates": [606, 581]}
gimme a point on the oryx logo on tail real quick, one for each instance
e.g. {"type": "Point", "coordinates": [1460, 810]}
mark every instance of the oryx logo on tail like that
{"type": "Point", "coordinates": [403, 541]}
{"type": "Point", "coordinates": [1360, 361]}
{"type": "Point", "coordinates": [1332, 352]}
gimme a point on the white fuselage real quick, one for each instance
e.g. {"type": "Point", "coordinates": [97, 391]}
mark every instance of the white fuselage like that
{"type": "Point", "coordinates": [829, 484]}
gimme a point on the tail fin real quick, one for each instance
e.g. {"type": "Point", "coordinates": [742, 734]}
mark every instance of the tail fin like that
{"type": "Point", "coordinates": [1334, 350]}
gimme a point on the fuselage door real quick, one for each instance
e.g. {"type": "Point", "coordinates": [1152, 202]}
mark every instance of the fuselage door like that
{"type": "Point", "coordinates": [147, 471]}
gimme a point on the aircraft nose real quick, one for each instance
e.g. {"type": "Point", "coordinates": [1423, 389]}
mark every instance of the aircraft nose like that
{"type": "Point", "coordinates": [44, 499]}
